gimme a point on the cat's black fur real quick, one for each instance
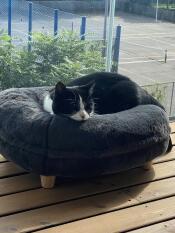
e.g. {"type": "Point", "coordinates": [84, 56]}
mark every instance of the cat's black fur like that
{"type": "Point", "coordinates": [114, 92]}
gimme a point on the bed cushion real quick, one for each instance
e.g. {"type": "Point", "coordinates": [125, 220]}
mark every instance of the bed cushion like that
{"type": "Point", "coordinates": [53, 145]}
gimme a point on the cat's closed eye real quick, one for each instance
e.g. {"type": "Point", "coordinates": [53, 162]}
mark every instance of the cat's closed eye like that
{"type": "Point", "coordinates": [88, 106]}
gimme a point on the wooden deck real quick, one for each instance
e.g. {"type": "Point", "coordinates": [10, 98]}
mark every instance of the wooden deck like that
{"type": "Point", "coordinates": [135, 201]}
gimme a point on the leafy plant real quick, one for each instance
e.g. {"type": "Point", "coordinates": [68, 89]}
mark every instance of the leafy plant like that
{"type": "Point", "coordinates": [51, 59]}
{"type": "Point", "coordinates": [157, 91]}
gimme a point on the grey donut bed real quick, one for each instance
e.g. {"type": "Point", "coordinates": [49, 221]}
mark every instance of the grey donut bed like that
{"type": "Point", "coordinates": [53, 145]}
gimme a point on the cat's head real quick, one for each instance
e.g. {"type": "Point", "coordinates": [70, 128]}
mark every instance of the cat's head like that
{"type": "Point", "coordinates": [75, 102]}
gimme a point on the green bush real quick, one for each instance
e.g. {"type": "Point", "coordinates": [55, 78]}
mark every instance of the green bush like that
{"type": "Point", "coordinates": [158, 91]}
{"type": "Point", "coordinates": [52, 58]}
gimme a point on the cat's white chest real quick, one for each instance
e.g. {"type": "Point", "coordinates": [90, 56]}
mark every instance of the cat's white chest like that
{"type": "Point", "coordinates": [47, 104]}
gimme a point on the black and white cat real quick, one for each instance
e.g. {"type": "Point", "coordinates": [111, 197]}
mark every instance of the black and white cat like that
{"type": "Point", "coordinates": [74, 102]}
{"type": "Point", "coordinates": [100, 93]}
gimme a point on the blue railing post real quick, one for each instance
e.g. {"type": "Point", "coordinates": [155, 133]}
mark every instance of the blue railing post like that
{"type": "Point", "coordinates": [30, 26]}
{"type": "Point", "coordinates": [55, 22]}
{"type": "Point", "coordinates": [117, 47]}
{"type": "Point", "coordinates": [9, 17]}
{"type": "Point", "coordinates": [83, 28]}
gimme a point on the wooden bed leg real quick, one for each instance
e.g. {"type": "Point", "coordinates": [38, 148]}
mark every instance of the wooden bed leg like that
{"type": "Point", "coordinates": [148, 165]}
{"type": "Point", "coordinates": [47, 182]}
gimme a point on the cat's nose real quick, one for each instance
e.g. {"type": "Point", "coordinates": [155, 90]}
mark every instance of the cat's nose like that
{"type": "Point", "coordinates": [83, 115]}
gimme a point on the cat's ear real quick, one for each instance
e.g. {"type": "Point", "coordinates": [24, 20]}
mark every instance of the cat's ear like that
{"type": "Point", "coordinates": [60, 87]}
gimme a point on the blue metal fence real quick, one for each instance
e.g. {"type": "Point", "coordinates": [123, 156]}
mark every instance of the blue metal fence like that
{"type": "Point", "coordinates": [83, 28]}
{"type": "Point", "coordinates": [9, 17]}
{"type": "Point", "coordinates": [23, 18]}
{"type": "Point", "coordinates": [55, 22]}
{"type": "Point", "coordinates": [30, 27]}
{"type": "Point", "coordinates": [14, 19]}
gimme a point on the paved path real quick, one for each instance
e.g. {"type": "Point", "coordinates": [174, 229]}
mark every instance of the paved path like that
{"type": "Point", "coordinates": [143, 45]}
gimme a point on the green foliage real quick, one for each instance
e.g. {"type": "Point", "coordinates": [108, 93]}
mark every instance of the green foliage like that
{"type": "Point", "coordinates": [157, 91]}
{"type": "Point", "coordinates": [52, 58]}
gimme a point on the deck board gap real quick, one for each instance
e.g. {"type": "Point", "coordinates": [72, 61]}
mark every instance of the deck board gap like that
{"type": "Point", "coordinates": [5, 161]}
{"type": "Point", "coordinates": [145, 225]}
{"type": "Point", "coordinates": [13, 175]}
{"type": "Point", "coordinates": [21, 191]}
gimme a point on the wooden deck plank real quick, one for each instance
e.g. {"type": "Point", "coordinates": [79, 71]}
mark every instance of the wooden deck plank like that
{"type": "Point", "coordinates": [122, 200]}
{"type": "Point", "coordinates": [9, 169]}
{"type": "Point", "coordinates": [60, 213]}
{"type": "Point", "coordinates": [19, 183]}
{"type": "Point", "coordinates": [122, 220]}
{"type": "Point", "coordinates": [139, 175]}
{"type": "Point", "coordinates": [75, 190]}
{"type": "Point", "coordinates": [168, 157]}
{"type": "Point", "coordinates": [152, 191]}
{"type": "Point", "coordinates": [41, 197]}
{"type": "Point", "coordinates": [173, 138]}
{"type": "Point", "coordinates": [172, 125]}
{"type": "Point", "coordinates": [37, 198]}
{"type": "Point", "coordinates": [163, 227]}
{"type": "Point", "coordinates": [81, 208]}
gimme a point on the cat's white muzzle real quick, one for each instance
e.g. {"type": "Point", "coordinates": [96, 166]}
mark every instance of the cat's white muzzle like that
{"type": "Point", "coordinates": [80, 116]}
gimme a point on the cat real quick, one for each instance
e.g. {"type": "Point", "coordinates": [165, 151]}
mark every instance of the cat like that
{"type": "Point", "coordinates": [74, 102]}
{"type": "Point", "coordinates": [97, 93]}
{"type": "Point", "coordinates": [101, 93]}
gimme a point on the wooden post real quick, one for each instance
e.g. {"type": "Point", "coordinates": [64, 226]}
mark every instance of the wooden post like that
{"type": "Point", "coordinates": [148, 165]}
{"type": "Point", "coordinates": [47, 182]}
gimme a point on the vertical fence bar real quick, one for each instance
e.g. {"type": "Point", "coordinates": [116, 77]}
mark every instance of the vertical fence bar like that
{"type": "Point", "coordinates": [157, 9]}
{"type": "Point", "coordinates": [117, 47]}
{"type": "Point", "coordinates": [171, 102]}
{"type": "Point", "coordinates": [30, 26]}
{"type": "Point", "coordinates": [55, 22]}
{"type": "Point", "coordinates": [105, 27]}
{"type": "Point", "coordinates": [72, 26]}
{"type": "Point", "coordinates": [9, 17]}
{"type": "Point", "coordinates": [110, 35]}
{"type": "Point", "coordinates": [105, 18]}
{"type": "Point", "coordinates": [83, 28]}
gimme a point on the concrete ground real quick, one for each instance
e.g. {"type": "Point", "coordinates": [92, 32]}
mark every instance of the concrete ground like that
{"type": "Point", "coordinates": [143, 45]}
